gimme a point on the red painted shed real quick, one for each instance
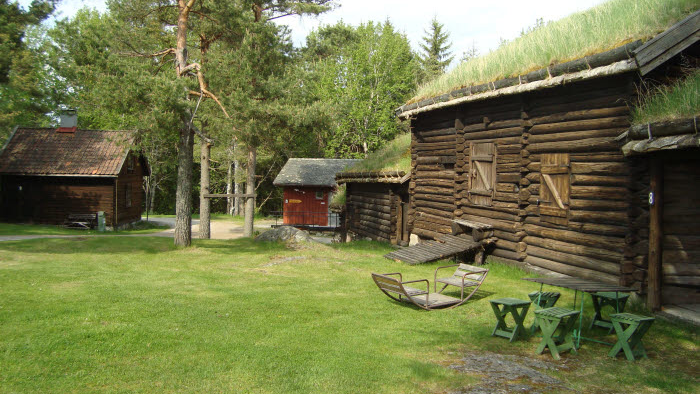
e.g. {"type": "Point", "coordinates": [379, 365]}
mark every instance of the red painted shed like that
{"type": "Point", "coordinates": [308, 188]}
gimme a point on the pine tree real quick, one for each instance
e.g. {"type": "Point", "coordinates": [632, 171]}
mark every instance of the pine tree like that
{"type": "Point", "coordinates": [436, 55]}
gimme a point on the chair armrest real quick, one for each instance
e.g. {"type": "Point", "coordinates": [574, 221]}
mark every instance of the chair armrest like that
{"type": "Point", "coordinates": [427, 283]}
{"type": "Point", "coordinates": [394, 274]}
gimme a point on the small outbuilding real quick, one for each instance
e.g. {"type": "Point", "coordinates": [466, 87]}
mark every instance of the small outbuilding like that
{"type": "Point", "coordinates": [308, 188]}
{"type": "Point", "coordinates": [48, 174]}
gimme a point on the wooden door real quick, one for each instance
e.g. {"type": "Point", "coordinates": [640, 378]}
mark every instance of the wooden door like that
{"type": "Point", "coordinates": [555, 188]}
{"type": "Point", "coordinates": [482, 172]}
{"type": "Point", "coordinates": [680, 267]}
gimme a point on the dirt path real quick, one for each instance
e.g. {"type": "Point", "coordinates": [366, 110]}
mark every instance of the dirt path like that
{"type": "Point", "coordinates": [220, 229]}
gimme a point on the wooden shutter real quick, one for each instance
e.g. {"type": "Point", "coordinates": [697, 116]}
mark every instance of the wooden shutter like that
{"type": "Point", "coordinates": [482, 172]}
{"type": "Point", "coordinates": [555, 188]}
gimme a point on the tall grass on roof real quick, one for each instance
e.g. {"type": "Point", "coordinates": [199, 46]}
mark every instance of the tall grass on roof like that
{"type": "Point", "coordinates": [595, 30]}
{"type": "Point", "coordinates": [394, 156]}
{"type": "Point", "coordinates": [677, 101]}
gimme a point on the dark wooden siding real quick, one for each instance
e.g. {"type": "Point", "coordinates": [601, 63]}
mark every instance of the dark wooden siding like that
{"type": "Point", "coordinates": [374, 210]}
{"type": "Point", "coordinates": [680, 276]}
{"type": "Point", "coordinates": [50, 199]}
{"type": "Point", "coordinates": [433, 162]}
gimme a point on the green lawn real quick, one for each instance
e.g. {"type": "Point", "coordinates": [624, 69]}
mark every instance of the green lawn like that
{"type": "Point", "coordinates": [142, 227]}
{"type": "Point", "coordinates": [115, 314]}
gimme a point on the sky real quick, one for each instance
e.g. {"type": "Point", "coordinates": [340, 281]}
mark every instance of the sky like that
{"type": "Point", "coordinates": [480, 23]}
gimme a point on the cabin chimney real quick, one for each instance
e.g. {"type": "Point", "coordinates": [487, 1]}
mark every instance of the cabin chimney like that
{"type": "Point", "coordinates": [68, 121]}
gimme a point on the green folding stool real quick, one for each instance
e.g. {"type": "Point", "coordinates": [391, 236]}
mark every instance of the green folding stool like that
{"type": "Point", "coordinates": [518, 309]}
{"type": "Point", "coordinates": [602, 299]}
{"type": "Point", "coordinates": [630, 329]}
{"type": "Point", "coordinates": [551, 320]}
{"type": "Point", "coordinates": [542, 299]}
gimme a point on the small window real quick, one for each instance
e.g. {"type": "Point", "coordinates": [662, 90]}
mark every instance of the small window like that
{"type": "Point", "coordinates": [130, 164]}
{"type": "Point", "coordinates": [127, 195]}
{"type": "Point", "coordinates": [555, 188]}
{"type": "Point", "coordinates": [319, 195]}
{"type": "Point", "coordinates": [482, 173]}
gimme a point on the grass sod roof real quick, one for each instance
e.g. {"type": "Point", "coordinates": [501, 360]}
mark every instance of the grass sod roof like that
{"type": "Point", "coordinates": [678, 101]}
{"type": "Point", "coordinates": [394, 156]}
{"type": "Point", "coordinates": [582, 34]}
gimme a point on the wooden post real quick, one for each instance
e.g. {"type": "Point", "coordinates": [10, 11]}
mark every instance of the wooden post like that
{"type": "Point", "coordinates": [656, 173]}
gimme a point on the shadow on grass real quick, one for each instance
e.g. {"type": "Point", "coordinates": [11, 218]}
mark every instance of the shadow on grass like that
{"type": "Point", "coordinates": [480, 294]}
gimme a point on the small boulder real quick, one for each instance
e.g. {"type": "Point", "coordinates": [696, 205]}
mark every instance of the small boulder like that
{"type": "Point", "coordinates": [285, 234]}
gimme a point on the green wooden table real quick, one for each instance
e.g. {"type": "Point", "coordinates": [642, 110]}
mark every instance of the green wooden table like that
{"type": "Point", "coordinates": [583, 286]}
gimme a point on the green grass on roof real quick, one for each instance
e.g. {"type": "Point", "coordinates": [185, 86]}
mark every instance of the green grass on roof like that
{"type": "Point", "coordinates": [595, 30]}
{"type": "Point", "coordinates": [394, 156]}
{"type": "Point", "coordinates": [677, 101]}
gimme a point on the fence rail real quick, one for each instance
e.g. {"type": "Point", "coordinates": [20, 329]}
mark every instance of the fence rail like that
{"type": "Point", "coordinates": [308, 220]}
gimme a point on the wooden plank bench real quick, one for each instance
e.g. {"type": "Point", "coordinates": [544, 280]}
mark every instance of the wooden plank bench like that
{"type": "Point", "coordinates": [84, 221]}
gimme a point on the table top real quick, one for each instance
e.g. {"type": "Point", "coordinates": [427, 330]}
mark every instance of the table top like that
{"type": "Point", "coordinates": [585, 285]}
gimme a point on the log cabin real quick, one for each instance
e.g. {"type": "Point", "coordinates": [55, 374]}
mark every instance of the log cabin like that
{"type": "Point", "coordinates": [537, 158]}
{"type": "Point", "coordinates": [309, 185]}
{"type": "Point", "coordinates": [48, 174]}
{"type": "Point", "coordinates": [376, 205]}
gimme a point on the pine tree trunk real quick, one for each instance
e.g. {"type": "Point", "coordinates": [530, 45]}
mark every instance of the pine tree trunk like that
{"type": "Point", "coordinates": [183, 195]}
{"type": "Point", "coordinates": [238, 187]}
{"type": "Point", "coordinates": [250, 189]}
{"type": "Point", "coordinates": [204, 211]}
{"type": "Point", "coordinates": [229, 187]}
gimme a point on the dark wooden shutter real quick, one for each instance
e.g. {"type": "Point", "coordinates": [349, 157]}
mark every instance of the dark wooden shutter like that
{"type": "Point", "coordinates": [482, 172]}
{"type": "Point", "coordinates": [555, 188]}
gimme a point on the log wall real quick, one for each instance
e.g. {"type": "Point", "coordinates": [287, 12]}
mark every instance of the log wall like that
{"type": "Point", "coordinates": [373, 210]}
{"type": "Point", "coordinates": [432, 186]}
{"type": "Point", "coordinates": [680, 267]}
{"type": "Point", "coordinates": [564, 137]}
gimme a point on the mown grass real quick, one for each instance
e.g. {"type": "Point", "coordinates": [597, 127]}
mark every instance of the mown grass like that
{"type": "Point", "coordinates": [595, 30]}
{"type": "Point", "coordinates": [142, 227]}
{"type": "Point", "coordinates": [680, 100]}
{"type": "Point", "coordinates": [139, 315]}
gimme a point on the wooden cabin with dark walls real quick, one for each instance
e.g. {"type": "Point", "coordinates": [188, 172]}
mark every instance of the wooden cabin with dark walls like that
{"type": "Point", "coordinates": [48, 174]}
{"type": "Point", "coordinates": [537, 158]}
{"type": "Point", "coordinates": [376, 205]}
{"type": "Point", "coordinates": [309, 185]}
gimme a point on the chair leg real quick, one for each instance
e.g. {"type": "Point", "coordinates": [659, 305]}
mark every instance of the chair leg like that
{"type": "Point", "coordinates": [548, 328]}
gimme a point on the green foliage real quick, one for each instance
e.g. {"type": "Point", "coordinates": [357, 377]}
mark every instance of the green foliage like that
{"type": "Point", "coordinates": [136, 314]}
{"type": "Point", "coordinates": [680, 100]}
{"type": "Point", "coordinates": [362, 83]}
{"type": "Point", "coordinates": [394, 156]}
{"type": "Point", "coordinates": [436, 56]}
{"type": "Point", "coordinates": [24, 82]}
{"type": "Point", "coordinates": [595, 30]}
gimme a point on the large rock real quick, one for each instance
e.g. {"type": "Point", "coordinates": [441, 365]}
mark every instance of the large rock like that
{"type": "Point", "coordinates": [284, 234]}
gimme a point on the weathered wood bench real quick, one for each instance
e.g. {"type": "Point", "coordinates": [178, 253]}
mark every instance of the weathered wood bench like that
{"type": "Point", "coordinates": [83, 221]}
{"type": "Point", "coordinates": [392, 285]}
